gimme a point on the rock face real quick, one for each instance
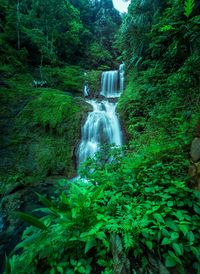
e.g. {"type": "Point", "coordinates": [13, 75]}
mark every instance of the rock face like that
{"type": "Point", "coordinates": [194, 169]}
{"type": "Point", "coordinates": [195, 150]}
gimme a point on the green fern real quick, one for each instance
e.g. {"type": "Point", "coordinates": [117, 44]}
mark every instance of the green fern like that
{"type": "Point", "coordinates": [128, 240]}
{"type": "Point", "coordinates": [189, 6]}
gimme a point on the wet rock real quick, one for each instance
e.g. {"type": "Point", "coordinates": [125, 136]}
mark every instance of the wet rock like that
{"type": "Point", "coordinates": [157, 266]}
{"type": "Point", "coordinates": [121, 264]}
{"type": "Point", "coordinates": [192, 170]}
{"type": "Point", "coordinates": [195, 150]}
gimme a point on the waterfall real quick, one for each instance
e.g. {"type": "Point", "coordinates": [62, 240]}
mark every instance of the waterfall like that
{"type": "Point", "coordinates": [121, 77]}
{"type": "Point", "coordinates": [101, 127]}
{"type": "Point", "coordinates": [110, 83]}
{"type": "Point", "coordinates": [102, 124]}
{"type": "Point", "coordinates": [86, 90]}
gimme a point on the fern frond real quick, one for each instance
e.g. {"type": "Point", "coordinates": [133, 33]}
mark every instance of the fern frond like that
{"type": "Point", "coordinates": [189, 6]}
{"type": "Point", "coordinates": [128, 240]}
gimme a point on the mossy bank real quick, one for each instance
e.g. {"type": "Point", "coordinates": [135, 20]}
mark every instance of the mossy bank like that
{"type": "Point", "coordinates": [41, 129]}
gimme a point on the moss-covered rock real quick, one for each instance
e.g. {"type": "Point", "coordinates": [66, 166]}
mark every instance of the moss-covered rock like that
{"type": "Point", "coordinates": [48, 127]}
{"type": "Point", "coordinates": [41, 129]}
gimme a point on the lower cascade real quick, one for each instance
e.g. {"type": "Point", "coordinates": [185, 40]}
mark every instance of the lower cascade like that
{"type": "Point", "coordinates": [102, 124]}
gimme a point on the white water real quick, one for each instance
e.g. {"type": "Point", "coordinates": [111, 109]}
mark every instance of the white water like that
{"type": "Point", "coordinates": [86, 90]}
{"type": "Point", "coordinates": [121, 77]}
{"type": "Point", "coordinates": [109, 84]}
{"type": "Point", "coordinates": [102, 124]}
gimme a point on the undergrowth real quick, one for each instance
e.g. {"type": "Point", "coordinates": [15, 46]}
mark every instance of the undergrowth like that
{"type": "Point", "coordinates": [150, 208]}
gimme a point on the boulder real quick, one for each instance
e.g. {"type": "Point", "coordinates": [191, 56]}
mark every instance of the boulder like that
{"type": "Point", "coordinates": [194, 172]}
{"type": "Point", "coordinates": [195, 150]}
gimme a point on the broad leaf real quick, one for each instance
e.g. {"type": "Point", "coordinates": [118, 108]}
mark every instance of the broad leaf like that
{"type": "Point", "coordinates": [166, 241]}
{"type": "Point", "coordinates": [90, 244]}
{"type": "Point", "coordinates": [149, 244]}
{"type": "Point", "coordinates": [31, 220]}
{"type": "Point", "coordinates": [190, 236]}
{"type": "Point", "coordinates": [171, 254]}
{"type": "Point", "coordinates": [169, 261]}
{"type": "Point", "coordinates": [178, 248]}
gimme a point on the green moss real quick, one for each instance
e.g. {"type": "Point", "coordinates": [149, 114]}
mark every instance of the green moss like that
{"type": "Point", "coordinates": [51, 110]}
{"type": "Point", "coordinates": [41, 131]}
{"type": "Point", "coordinates": [49, 126]}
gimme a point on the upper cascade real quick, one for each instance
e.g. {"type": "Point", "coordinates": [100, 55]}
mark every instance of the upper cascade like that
{"type": "Point", "coordinates": [112, 82]}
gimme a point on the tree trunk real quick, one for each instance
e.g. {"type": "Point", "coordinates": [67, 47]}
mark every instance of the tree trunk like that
{"type": "Point", "coordinates": [41, 63]}
{"type": "Point", "coordinates": [18, 25]}
{"type": "Point", "coordinates": [47, 33]}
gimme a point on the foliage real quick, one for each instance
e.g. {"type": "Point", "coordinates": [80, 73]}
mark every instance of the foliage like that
{"type": "Point", "coordinates": [145, 208]}
{"type": "Point", "coordinates": [160, 109]}
{"type": "Point", "coordinates": [51, 33]}
{"type": "Point", "coordinates": [68, 78]}
{"type": "Point", "coordinates": [98, 55]}
{"type": "Point", "coordinates": [135, 27]}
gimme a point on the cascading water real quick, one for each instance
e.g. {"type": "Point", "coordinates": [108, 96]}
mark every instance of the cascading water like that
{"type": "Point", "coordinates": [86, 90]}
{"type": "Point", "coordinates": [121, 77]}
{"type": "Point", "coordinates": [102, 125]}
{"type": "Point", "coordinates": [109, 84]}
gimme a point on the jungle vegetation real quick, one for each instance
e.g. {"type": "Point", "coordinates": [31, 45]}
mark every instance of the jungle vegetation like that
{"type": "Point", "coordinates": [140, 212]}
